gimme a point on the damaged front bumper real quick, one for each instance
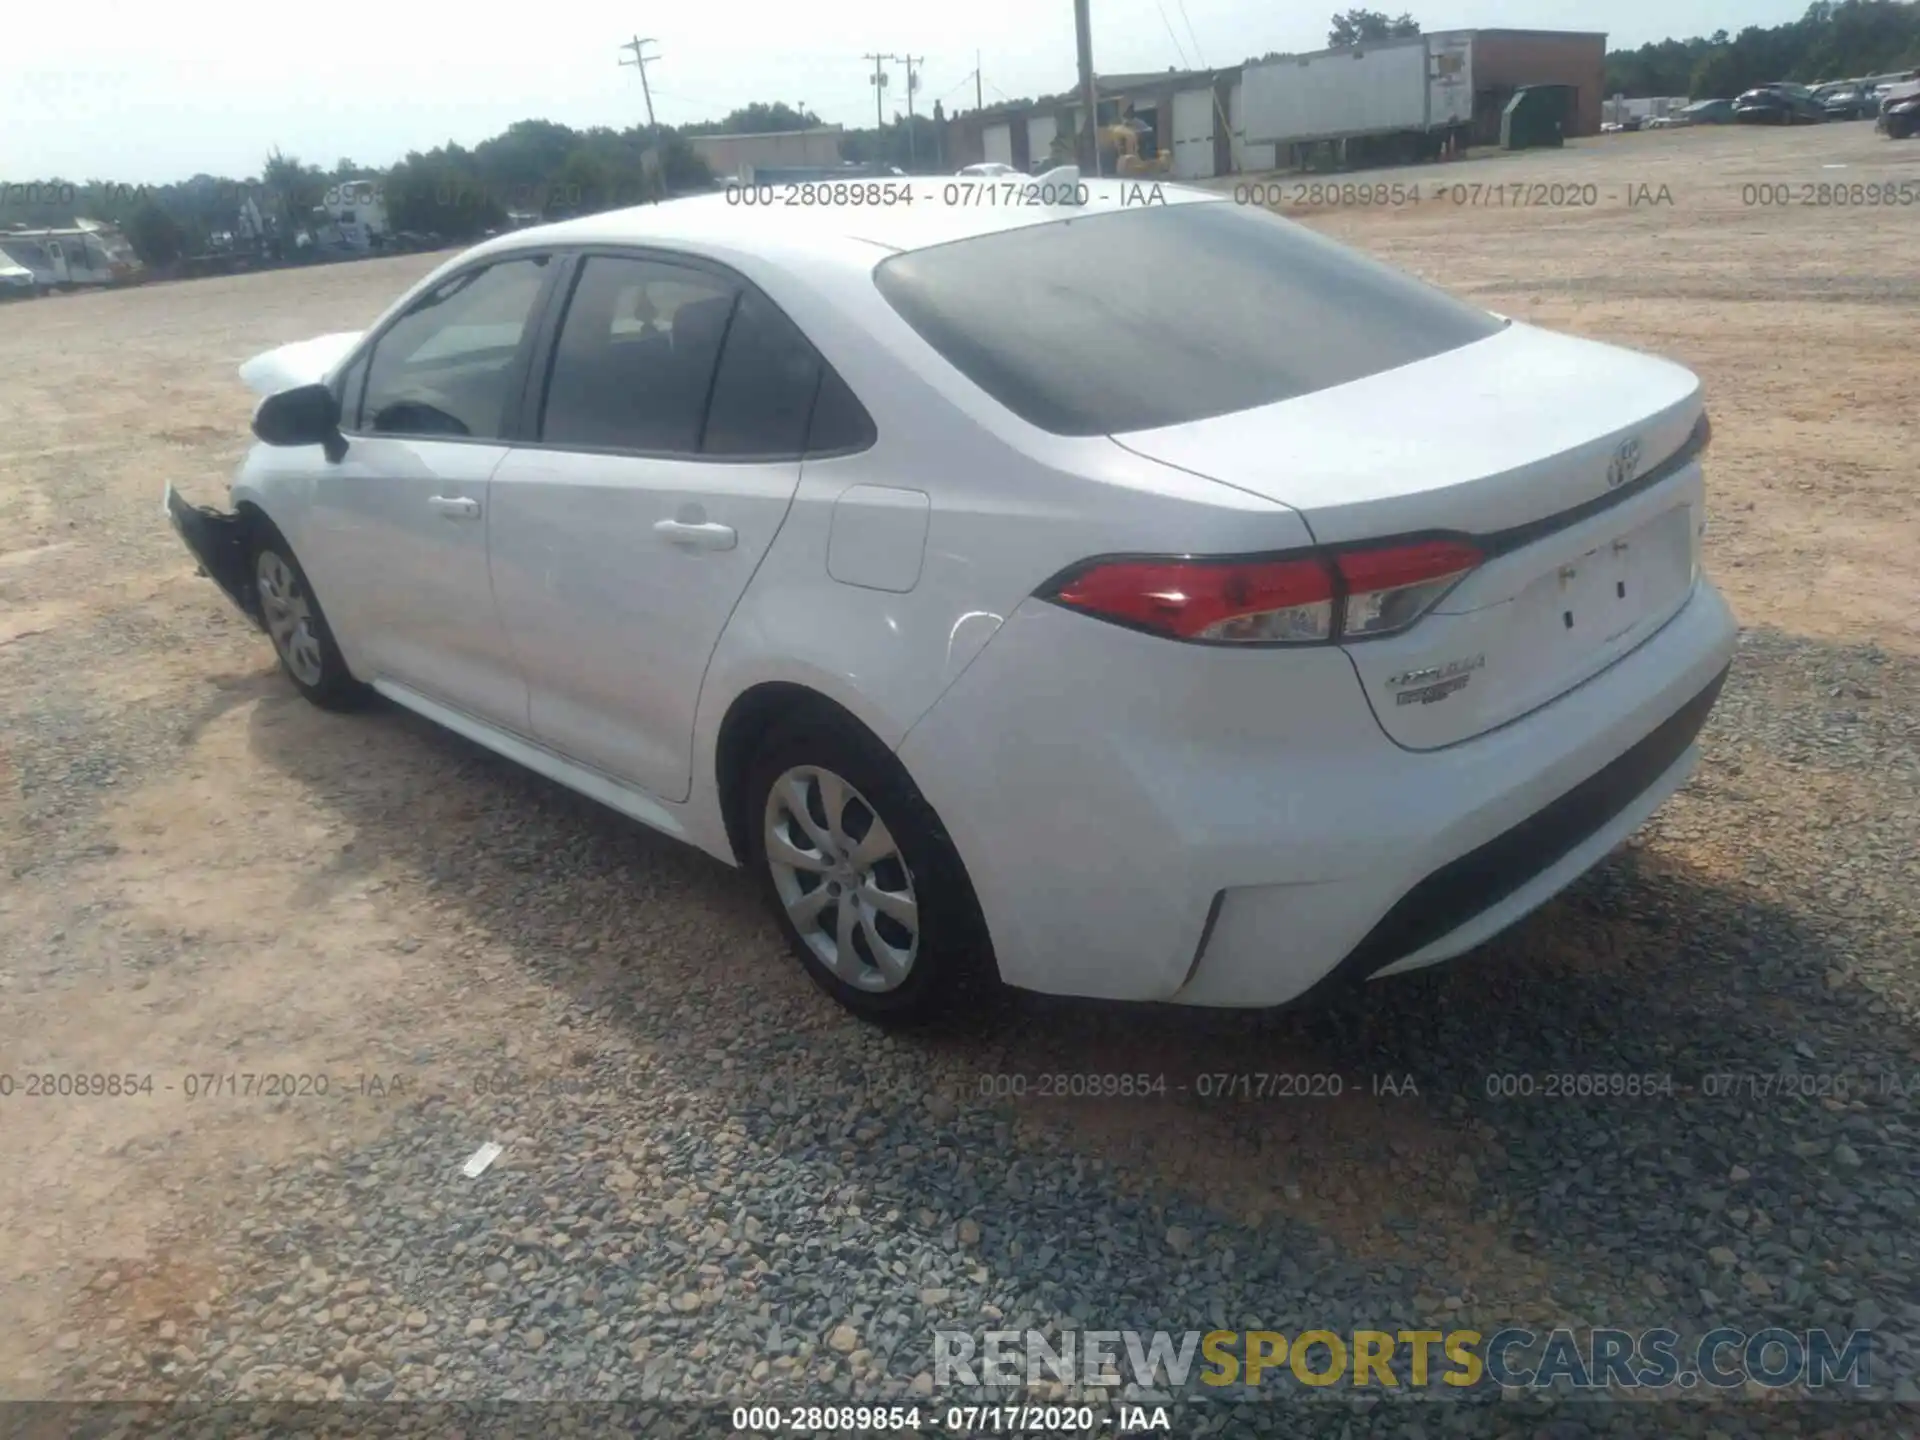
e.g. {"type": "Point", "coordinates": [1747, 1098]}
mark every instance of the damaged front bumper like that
{"type": "Point", "coordinates": [219, 540]}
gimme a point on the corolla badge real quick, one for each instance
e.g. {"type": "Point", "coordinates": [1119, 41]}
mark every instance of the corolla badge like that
{"type": "Point", "coordinates": [1624, 465]}
{"type": "Point", "coordinates": [1434, 682]}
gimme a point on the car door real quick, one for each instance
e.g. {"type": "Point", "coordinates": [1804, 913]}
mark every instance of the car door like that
{"type": "Point", "coordinates": [666, 449]}
{"type": "Point", "coordinates": [399, 548]}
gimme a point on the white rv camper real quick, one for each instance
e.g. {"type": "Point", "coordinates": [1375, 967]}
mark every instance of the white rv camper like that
{"type": "Point", "coordinates": [358, 209]}
{"type": "Point", "coordinates": [83, 253]}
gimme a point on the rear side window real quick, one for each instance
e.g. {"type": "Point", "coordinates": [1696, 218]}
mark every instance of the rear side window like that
{"type": "Point", "coordinates": [1156, 316]}
{"type": "Point", "coordinates": [840, 422]}
{"type": "Point", "coordinates": [764, 390]}
{"type": "Point", "coordinates": [776, 396]}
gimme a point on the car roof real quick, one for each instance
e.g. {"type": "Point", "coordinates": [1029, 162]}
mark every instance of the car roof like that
{"type": "Point", "coordinates": [726, 226]}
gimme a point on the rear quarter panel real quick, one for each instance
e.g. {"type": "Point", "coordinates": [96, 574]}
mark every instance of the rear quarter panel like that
{"type": "Point", "coordinates": [1002, 518]}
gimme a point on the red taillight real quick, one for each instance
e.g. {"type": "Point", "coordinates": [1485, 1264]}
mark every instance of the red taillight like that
{"type": "Point", "coordinates": [1325, 595]}
{"type": "Point", "coordinates": [1387, 590]}
{"type": "Point", "coordinates": [1209, 599]}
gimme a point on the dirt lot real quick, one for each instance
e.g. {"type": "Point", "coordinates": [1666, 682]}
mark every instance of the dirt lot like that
{"type": "Point", "coordinates": [1795, 314]}
{"type": "Point", "coordinates": [715, 1186]}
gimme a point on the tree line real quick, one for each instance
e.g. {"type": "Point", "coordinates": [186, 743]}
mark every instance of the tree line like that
{"type": "Point", "coordinates": [1830, 42]}
{"type": "Point", "coordinates": [452, 192]}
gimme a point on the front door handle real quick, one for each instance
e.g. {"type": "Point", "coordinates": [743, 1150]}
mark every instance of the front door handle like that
{"type": "Point", "coordinates": [707, 536]}
{"type": "Point", "coordinates": [456, 507]}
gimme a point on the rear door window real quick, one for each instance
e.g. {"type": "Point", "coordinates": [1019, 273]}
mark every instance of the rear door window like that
{"type": "Point", "coordinates": [634, 365]}
{"type": "Point", "coordinates": [1130, 320]}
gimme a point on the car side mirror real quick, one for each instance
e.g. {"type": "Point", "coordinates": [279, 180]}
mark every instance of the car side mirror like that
{"type": "Point", "coordinates": [305, 415]}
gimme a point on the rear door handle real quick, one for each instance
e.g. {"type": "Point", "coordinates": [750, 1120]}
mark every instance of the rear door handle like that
{"type": "Point", "coordinates": [456, 507]}
{"type": "Point", "coordinates": [707, 536]}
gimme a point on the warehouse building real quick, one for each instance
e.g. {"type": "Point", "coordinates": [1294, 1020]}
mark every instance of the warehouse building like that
{"type": "Point", "coordinates": [1179, 115]}
{"type": "Point", "coordinates": [1504, 60]}
{"type": "Point", "coordinates": [1193, 122]}
{"type": "Point", "coordinates": [741, 155]}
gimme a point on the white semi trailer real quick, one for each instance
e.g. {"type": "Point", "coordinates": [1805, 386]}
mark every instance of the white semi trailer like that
{"type": "Point", "coordinates": [1388, 99]}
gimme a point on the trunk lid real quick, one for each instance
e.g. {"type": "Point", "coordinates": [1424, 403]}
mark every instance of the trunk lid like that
{"type": "Point", "coordinates": [1571, 463]}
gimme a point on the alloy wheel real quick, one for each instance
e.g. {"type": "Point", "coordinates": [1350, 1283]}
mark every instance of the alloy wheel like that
{"type": "Point", "coordinates": [290, 619]}
{"type": "Point", "coordinates": [842, 879]}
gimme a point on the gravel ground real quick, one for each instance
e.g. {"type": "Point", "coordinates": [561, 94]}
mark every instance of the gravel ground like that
{"type": "Point", "coordinates": [714, 1189]}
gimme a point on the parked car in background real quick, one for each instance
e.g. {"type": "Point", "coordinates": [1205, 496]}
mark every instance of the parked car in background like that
{"type": "Point", "coordinates": [1900, 112]}
{"type": "Point", "coordinates": [864, 552]}
{"type": "Point", "coordinates": [986, 167]}
{"type": "Point", "coordinates": [1707, 112]}
{"type": "Point", "coordinates": [1852, 100]}
{"type": "Point", "coordinates": [1882, 86]}
{"type": "Point", "coordinates": [1778, 104]}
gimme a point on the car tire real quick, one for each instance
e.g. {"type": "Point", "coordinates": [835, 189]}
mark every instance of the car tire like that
{"type": "Point", "coordinates": [303, 642]}
{"type": "Point", "coordinates": [923, 906]}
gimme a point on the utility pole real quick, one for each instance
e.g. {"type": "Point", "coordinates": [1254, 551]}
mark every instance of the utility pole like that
{"type": "Point", "coordinates": [912, 84]}
{"type": "Point", "coordinates": [879, 82]}
{"type": "Point", "coordinates": [639, 62]}
{"type": "Point", "coordinates": [978, 103]}
{"type": "Point", "coordinates": [1089, 132]}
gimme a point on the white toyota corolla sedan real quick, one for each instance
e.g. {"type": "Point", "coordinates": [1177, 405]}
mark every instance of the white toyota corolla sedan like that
{"type": "Point", "coordinates": [1154, 601]}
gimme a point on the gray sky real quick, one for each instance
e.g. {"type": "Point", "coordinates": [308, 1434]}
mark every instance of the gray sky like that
{"type": "Point", "coordinates": [149, 93]}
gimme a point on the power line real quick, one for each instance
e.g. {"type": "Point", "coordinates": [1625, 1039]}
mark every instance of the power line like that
{"type": "Point", "coordinates": [1191, 35]}
{"type": "Point", "coordinates": [1171, 36]}
{"type": "Point", "coordinates": [965, 81]}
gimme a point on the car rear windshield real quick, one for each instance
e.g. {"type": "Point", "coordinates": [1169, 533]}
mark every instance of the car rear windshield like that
{"type": "Point", "coordinates": [1134, 319]}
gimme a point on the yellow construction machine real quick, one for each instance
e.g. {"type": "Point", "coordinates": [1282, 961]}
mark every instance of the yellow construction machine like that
{"type": "Point", "coordinates": [1119, 149]}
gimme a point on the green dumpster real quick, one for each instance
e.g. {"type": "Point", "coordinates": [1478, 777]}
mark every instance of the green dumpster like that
{"type": "Point", "coordinates": [1536, 116]}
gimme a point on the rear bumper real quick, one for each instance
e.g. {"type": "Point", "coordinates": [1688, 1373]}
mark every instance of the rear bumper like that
{"type": "Point", "coordinates": [1237, 834]}
{"type": "Point", "coordinates": [1468, 900]}
{"type": "Point", "coordinates": [219, 541]}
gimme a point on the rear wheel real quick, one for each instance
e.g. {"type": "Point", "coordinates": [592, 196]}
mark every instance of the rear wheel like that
{"type": "Point", "coordinates": [298, 628]}
{"type": "Point", "coordinates": [861, 876]}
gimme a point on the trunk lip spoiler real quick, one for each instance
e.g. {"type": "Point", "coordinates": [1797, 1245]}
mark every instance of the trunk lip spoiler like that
{"type": "Point", "coordinates": [1491, 545]}
{"type": "Point", "coordinates": [1517, 537]}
